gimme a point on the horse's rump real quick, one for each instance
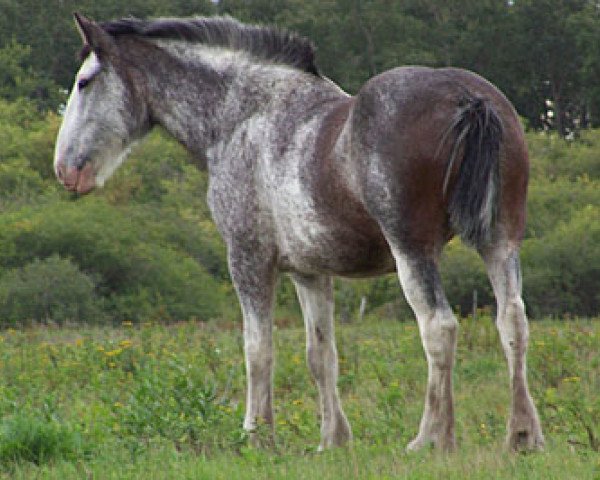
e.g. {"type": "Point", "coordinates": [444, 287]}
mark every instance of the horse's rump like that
{"type": "Point", "coordinates": [432, 153]}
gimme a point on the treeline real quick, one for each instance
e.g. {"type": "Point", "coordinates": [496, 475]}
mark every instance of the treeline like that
{"type": "Point", "coordinates": [544, 54]}
{"type": "Point", "coordinates": [144, 248]}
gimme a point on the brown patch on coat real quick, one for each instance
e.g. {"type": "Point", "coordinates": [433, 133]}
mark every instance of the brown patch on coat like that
{"type": "Point", "coordinates": [361, 247]}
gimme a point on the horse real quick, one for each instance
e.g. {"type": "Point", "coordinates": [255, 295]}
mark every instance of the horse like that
{"type": "Point", "coordinates": [307, 180]}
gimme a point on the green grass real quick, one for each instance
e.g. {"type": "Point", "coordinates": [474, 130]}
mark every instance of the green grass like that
{"type": "Point", "coordinates": [158, 402]}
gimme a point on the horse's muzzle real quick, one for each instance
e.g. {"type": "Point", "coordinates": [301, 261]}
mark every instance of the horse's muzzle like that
{"type": "Point", "coordinates": [80, 180]}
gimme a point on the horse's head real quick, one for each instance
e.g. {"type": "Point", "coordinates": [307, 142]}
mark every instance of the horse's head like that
{"type": "Point", "coordinates": [104, 115]}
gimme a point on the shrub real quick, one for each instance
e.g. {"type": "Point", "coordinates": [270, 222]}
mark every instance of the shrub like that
{"type": "Point", "coordinates": [28, 136]}
{"type": "Point", "coordinates": [553, 202]}
{"type": "Point", "coordinates": [25, 438]}
{"type": "Point", "coordinates": [49, 290]}
{"type": "Point", "coordinates": [18, 181]}
{"type": "Point", "coordinates": [463, 272]}
{"type": "Point", "coordinates": [561, 271]}
{"type": "Point", "coordinates": [139, 270]}
{"type": "Point", "coordinates": [179, 403]}
{"type": "Point", "coordinates": [553, 157]}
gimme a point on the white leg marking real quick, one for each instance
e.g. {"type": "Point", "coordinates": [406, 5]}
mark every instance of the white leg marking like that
{"type": "Point", "coordinates": [316, 299]}
{"type": "Point", "coordinates": [524, 429]}
{"type": "Point", "coordinates": [255, 286]}
{"type": "Point", "coordinates": [258, 348]}
{"type": "Point", "coordinates": [438, 328]}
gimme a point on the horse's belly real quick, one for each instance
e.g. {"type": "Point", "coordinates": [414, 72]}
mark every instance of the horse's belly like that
{"type": "Point", "coordinates": [336, 249]}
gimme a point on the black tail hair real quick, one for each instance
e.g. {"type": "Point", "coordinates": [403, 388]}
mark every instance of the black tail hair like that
{"type": "Point", "coordinates": [474, 197]}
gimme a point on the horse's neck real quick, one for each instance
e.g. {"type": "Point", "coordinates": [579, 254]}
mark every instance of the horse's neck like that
{"type": "Point", "coordinates": [203, 104]}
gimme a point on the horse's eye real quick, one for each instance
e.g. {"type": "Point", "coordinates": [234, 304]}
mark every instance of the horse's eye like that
{"type": "Point", "coordinates": [81, 84]}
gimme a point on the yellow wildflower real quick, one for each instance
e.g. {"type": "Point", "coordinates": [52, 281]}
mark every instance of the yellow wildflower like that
{"type": "Point", "coordinates": [114, 353]}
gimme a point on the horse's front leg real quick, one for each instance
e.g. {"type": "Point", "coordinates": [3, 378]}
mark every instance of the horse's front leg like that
{"type": "Point", "coordinates": [315, 294]}
{"type": "Point", "coordinates": [254, 277]}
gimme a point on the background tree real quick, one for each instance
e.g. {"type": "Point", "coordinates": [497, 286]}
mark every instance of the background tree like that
{"type": "Point", "coordinates": [146, 241]}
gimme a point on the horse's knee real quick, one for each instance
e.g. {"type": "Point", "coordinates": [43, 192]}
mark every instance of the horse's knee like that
{"type": "Point", "coordinates": [513, 325]}
{"type": "Point", "coordinates": [316, 363]}
{"type": "Point", "coordinates": [515, 309]}
{"type": "Point", "coordinates": [259, 361]}
{"type": "Point", "coordinates": [321, 357]}
{"type": "Point", "coordinates": [439, 338]}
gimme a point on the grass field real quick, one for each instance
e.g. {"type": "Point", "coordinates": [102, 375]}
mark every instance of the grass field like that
{"type": "Point", "coordinates": [165, 402]}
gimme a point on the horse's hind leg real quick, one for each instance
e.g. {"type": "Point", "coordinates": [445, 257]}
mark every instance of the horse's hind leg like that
{"type": "Point", "coordinates": [315, 294]}
{"type": "Point", "coordinates": [422, 287]}
{"type": "Point", "coordinates": [502, 262]}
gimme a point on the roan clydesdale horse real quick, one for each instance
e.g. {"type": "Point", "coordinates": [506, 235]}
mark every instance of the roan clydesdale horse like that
{"type": "Point", "coordinates": [308, 180]}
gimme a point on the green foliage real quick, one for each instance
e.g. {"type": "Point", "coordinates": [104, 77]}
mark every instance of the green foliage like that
{"type": "Point", "coordinates": [177, 393]}
{"type": "Point", "coordinates": [40, 25]}
{"type": "Point", "coordinates": [562, 270]}
{"type": "Point", "coordinates": [51, 290]}
{"type": "Point", "coordinates": [177, 404]}
{"type": "Point", "coordinates": [27, 136]}
{"type": "Point", "coordinates": [552, 203]}
{"type": "Point", "coordinates": [137, 273]}
{"type": "Point", "coordinates": [28, 438]}
{"type": "Point", "coordinates": [553, 157]}
{"type": "Point", "coordinates": [146, 240]}
{"type": "Point", "coordinates": [18, 181]}
{"type": "Point", "coordinates": [463, 272]}
{"type": "Point", "coordinates": [19, 80]}
{"type": "Point", "coordinates": [535, 51]}
{"type": "Point", "coordinates": [565, 405]}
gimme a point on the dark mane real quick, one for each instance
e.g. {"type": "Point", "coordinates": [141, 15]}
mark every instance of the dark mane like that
{"type": "Point", "coordinates": [266, 43]}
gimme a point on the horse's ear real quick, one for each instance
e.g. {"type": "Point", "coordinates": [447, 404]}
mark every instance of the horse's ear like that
{"type": "Point", "coordinates": [93, 35]}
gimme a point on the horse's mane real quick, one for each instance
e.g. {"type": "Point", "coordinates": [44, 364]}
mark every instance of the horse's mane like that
{"type": "Point", "coordinates": [266, 43]}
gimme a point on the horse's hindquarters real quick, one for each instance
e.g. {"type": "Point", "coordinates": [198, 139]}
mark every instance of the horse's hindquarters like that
{"type": "Point", "coordinates": [403, 139]}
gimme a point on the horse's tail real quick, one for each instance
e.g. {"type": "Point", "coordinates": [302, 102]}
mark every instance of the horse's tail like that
{"type": "Point", "coordinates": [474, 190]}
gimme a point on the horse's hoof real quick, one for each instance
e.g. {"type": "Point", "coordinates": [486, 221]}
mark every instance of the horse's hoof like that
{"type": "Point", "coordinates": [417, 444]}
{"type": "Point", "coordinates": [525, 434]}
{"type": "Point", "coordinates": [264, 440]}
{"type": "Point", "coordinates": [339, 437]}
{"type": "Point", "coordinates": [441, 444]}
{"type": "Point", "coordinates": [526, 440]}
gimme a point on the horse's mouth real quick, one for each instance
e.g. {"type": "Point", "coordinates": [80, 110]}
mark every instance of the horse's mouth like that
{"type": "Point", "coordinates": [79, 181]}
